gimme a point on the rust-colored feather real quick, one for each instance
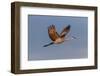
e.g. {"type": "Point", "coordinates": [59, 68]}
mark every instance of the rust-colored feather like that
{"type": "Point", "coordinates": [52, 33]}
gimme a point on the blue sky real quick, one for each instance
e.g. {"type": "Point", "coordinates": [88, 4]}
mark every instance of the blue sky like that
{"type": "Point", "coordinates": [38, 37]}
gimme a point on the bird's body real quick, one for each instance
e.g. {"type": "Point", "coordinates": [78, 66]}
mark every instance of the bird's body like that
{"type": "Point", "coordinates": [59, 40]}
{"type": "Point", "coordinates": [55, 37]}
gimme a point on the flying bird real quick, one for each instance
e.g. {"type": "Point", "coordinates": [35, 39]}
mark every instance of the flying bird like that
{"type": "Point", "coordinates": [55, 37]}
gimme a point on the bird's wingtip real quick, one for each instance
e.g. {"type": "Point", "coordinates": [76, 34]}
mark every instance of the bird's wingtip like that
{"type": "Point", "coordinates": [69, 25]}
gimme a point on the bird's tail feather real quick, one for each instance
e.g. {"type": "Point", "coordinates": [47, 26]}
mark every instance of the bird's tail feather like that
{"type": "Point", "coordinates": [48, 44]}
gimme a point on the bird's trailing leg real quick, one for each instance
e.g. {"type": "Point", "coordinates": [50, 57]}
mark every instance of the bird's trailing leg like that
{"type": "Point", "coordinates": [73, 37]}
{"type": "Point", "coordinates": [70, 38]}
{"type": "Point", "coordinates": [48, 44]}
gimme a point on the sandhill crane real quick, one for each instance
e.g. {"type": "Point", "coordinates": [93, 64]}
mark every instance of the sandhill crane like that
{"type": "Point", "coordinates": [55, 37]}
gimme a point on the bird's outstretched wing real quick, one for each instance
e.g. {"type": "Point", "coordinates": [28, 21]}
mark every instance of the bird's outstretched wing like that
{"type": "Point", "coordinates": [52, 33]}
{"type": "Point", "coordinates": [65, 31]}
